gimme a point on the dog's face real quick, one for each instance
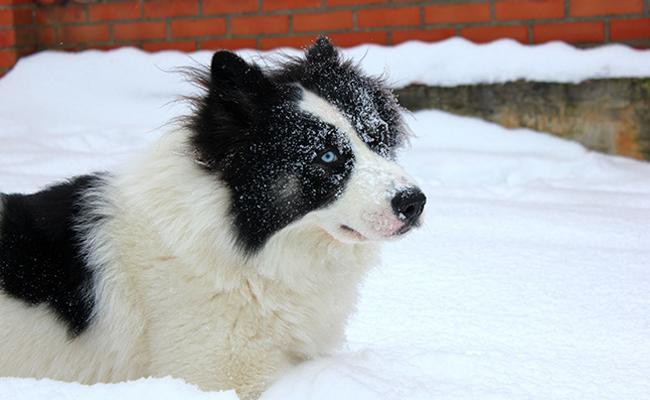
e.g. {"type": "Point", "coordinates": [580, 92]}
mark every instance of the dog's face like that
{"type": "Point", "coordinates": [314, 139]}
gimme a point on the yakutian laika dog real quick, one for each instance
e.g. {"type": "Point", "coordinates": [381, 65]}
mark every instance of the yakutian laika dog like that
{"type": "Point", "coordinates": [227, 253]}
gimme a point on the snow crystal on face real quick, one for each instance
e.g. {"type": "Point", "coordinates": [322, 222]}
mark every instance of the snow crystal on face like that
{"type": "Point", "coordinates": [367, 119]}
{"type": "Point", "coordinates": [365, 101]}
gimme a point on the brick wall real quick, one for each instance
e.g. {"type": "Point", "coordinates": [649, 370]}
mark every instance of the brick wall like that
{"type": "Point", "coordinates": [27, 26]}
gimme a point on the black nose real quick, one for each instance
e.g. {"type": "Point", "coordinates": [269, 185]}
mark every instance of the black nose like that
{"type": "Point", "coordinates": [408, 204]}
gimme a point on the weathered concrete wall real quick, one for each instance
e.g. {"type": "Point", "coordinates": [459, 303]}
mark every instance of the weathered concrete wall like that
{"type": "Point", "coordinates": [608, 115]}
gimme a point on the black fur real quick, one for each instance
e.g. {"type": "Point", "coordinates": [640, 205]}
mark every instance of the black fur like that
{"type": "Point", "coordinates": [41, 261]}
{"type": "Point", "coordinates": [369, 105]}
{"type": "Point", "coordinates": [249, 131]}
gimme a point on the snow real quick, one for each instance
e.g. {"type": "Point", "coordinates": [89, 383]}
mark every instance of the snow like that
{"type": "Point", "coordinates": [529, 279]}
{"type": "Point", "coordinates": [457, 61]}
{"type": "Point", "coordinates": [159, 389]}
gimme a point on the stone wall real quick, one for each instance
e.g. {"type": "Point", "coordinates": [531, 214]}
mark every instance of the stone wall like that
{"type": "Point", "coordinates": [607, 115]}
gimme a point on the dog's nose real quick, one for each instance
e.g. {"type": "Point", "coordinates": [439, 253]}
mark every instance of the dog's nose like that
{"type": "Point", "coordinates": [408, 204]}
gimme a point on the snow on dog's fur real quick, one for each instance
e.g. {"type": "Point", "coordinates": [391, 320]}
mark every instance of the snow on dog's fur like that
{"type": "Point", "coordinates": [229, 252]}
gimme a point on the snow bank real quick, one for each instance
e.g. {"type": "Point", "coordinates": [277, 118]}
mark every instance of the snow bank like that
{"type": "Point", "coordinates": [529, 279]}
{"type": "Point", "coordinates": [454, 61]}
{"type": "Point", "coordinates": [457, 61]}
{"type": "Point", "coordinates": [159, 389]}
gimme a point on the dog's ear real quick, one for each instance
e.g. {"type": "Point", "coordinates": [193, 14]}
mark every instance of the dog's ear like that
{"type": "Point", "coordinates": [229, 71]}
{"type": "Point", "coordinates": [322, 52]}
{"type": "Point", "coordinates": [238, 98]}
{"type": "Point", "coordinates": [237, 89]}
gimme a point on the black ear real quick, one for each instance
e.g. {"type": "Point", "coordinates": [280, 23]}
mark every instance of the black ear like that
{"type": "Point", "coordinates": [322, 52]}
{"type": "Point", "coordinates": [238, 99]}
{"type": "Point", "coordinates": [237, 89]}
{"type": "Point", "coordinates": [229, 71]}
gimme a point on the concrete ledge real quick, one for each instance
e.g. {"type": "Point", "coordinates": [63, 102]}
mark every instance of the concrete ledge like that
{"type": "Point", "coordinates": [607, 115]}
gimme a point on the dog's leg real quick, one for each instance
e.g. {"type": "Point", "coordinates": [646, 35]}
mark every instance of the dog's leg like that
{"type": "Point", "coordinates": [251, 376]}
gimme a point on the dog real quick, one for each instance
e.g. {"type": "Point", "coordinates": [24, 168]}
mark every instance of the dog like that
{"type": "Point", "coordinates": [228, 252]}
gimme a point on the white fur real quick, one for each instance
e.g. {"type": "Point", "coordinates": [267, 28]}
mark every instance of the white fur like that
{"type": "Point", "coordinates": [174, 296]}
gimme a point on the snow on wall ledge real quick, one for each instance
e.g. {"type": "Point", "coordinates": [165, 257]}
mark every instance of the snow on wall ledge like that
{"type": "Point", "coordinates": [451, 62]}
{"type": "Point", "coordinates": [457, 61]}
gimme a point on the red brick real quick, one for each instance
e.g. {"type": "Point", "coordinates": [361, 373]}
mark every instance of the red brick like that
{"type": "Point", "coordinates": [106, 47]}
{"type": "Point", "coordinates": [451, 13]}
{"type": "Point", "coordinates": [7, 38]}
{"type": "Point", "coordinates": [114, 11]}
{"type": "Point", "coordinates": [54, 15]}
{"type": "Point", "coordinates": [25, 52]}
{"type": "Point", "coordinates": [170, 8]}
{"type": "Point", "coordinates": [482, 34]}
{"type": "Point", "coordinates": [71, 34]}
{"type": "Point", "coordinates": [229, 6]}
{"type": "Point", "coordinates": [139, 30]}
{"type": "Point", "coordinates": [6, 17]}
{"type": "Point", "coordinates": [322, 21]}
{"type": "Point", "coordinates": [24, 16]}
{"type": "Point", "coordinates": [388, 17]}
{"type": "Point", "coordinates": [353, 2]}
{"type": "Point", "coordinates": [572, 32]}
{"type": "Point", "coordinates": [46, 35]}
{"type": "Point", "coordinates": [587, 8]}
{"type": "Point", "coordinates": [177, 45]}
{"type": "Point", "coordinates": [7, 58]}
{"type": "Point", "coordinates": [198, 27]}
{"type": "Point", "coordinates": [291, 41]}
{"type": "Point", "coordinates": [261, 24]}
{"type": "Point", "coordinates": [357, 38]}
{"type": "Point", "coordinates": [428, 35]}
{"type": "Point", "coordinates": [229, 44]}
{"type": "Point", "coordinates": [270, 5]}
{"type": "Point", "coordinates": [25, 37]}
{"type": "Point", "coordinates": [529, 9]}
{"type": "Point", "coordinates": [630, 29]}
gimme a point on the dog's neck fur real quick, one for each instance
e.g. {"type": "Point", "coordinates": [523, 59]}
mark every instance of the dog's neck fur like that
{"type": "Point", "coordinates": [167, 175]}
{"type": "Point", "coordinates": [302, 276]}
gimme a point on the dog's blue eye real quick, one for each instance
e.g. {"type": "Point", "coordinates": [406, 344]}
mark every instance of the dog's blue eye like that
{"type": "Point", "coordinates": [329, 157]}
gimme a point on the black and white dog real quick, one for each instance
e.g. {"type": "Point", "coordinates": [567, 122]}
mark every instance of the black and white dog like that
{"type": "Point", "coordinates": [230, 251]}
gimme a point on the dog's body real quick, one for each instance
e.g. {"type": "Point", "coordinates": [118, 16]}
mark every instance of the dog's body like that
{"type": "Point", "coordinates": [222, 256]}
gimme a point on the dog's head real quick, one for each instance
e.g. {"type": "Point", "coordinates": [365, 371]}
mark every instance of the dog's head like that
{"type": "Point", "coordinates": [314, 139]}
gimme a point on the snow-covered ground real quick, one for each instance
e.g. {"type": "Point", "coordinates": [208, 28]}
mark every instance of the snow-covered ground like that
{"type": "Point", "coordinates": [529, 280]}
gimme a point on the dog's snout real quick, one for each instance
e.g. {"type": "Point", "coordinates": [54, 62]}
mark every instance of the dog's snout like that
{"type": "Point", "coordinates": [408, 204]}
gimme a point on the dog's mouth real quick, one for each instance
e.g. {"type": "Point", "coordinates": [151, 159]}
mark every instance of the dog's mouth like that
{"type": "Point", "coordinates": [406, 228]}
{"type": "Point", "coordinates": [403, 230]}
{"type": "Point", "coordinates": [351, 232]}
{"type": "Point", "coordinates": [354, 234]}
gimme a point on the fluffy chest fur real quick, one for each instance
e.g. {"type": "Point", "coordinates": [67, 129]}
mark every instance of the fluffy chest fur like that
{"type": "Point", "coordinates": [220, 315]}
